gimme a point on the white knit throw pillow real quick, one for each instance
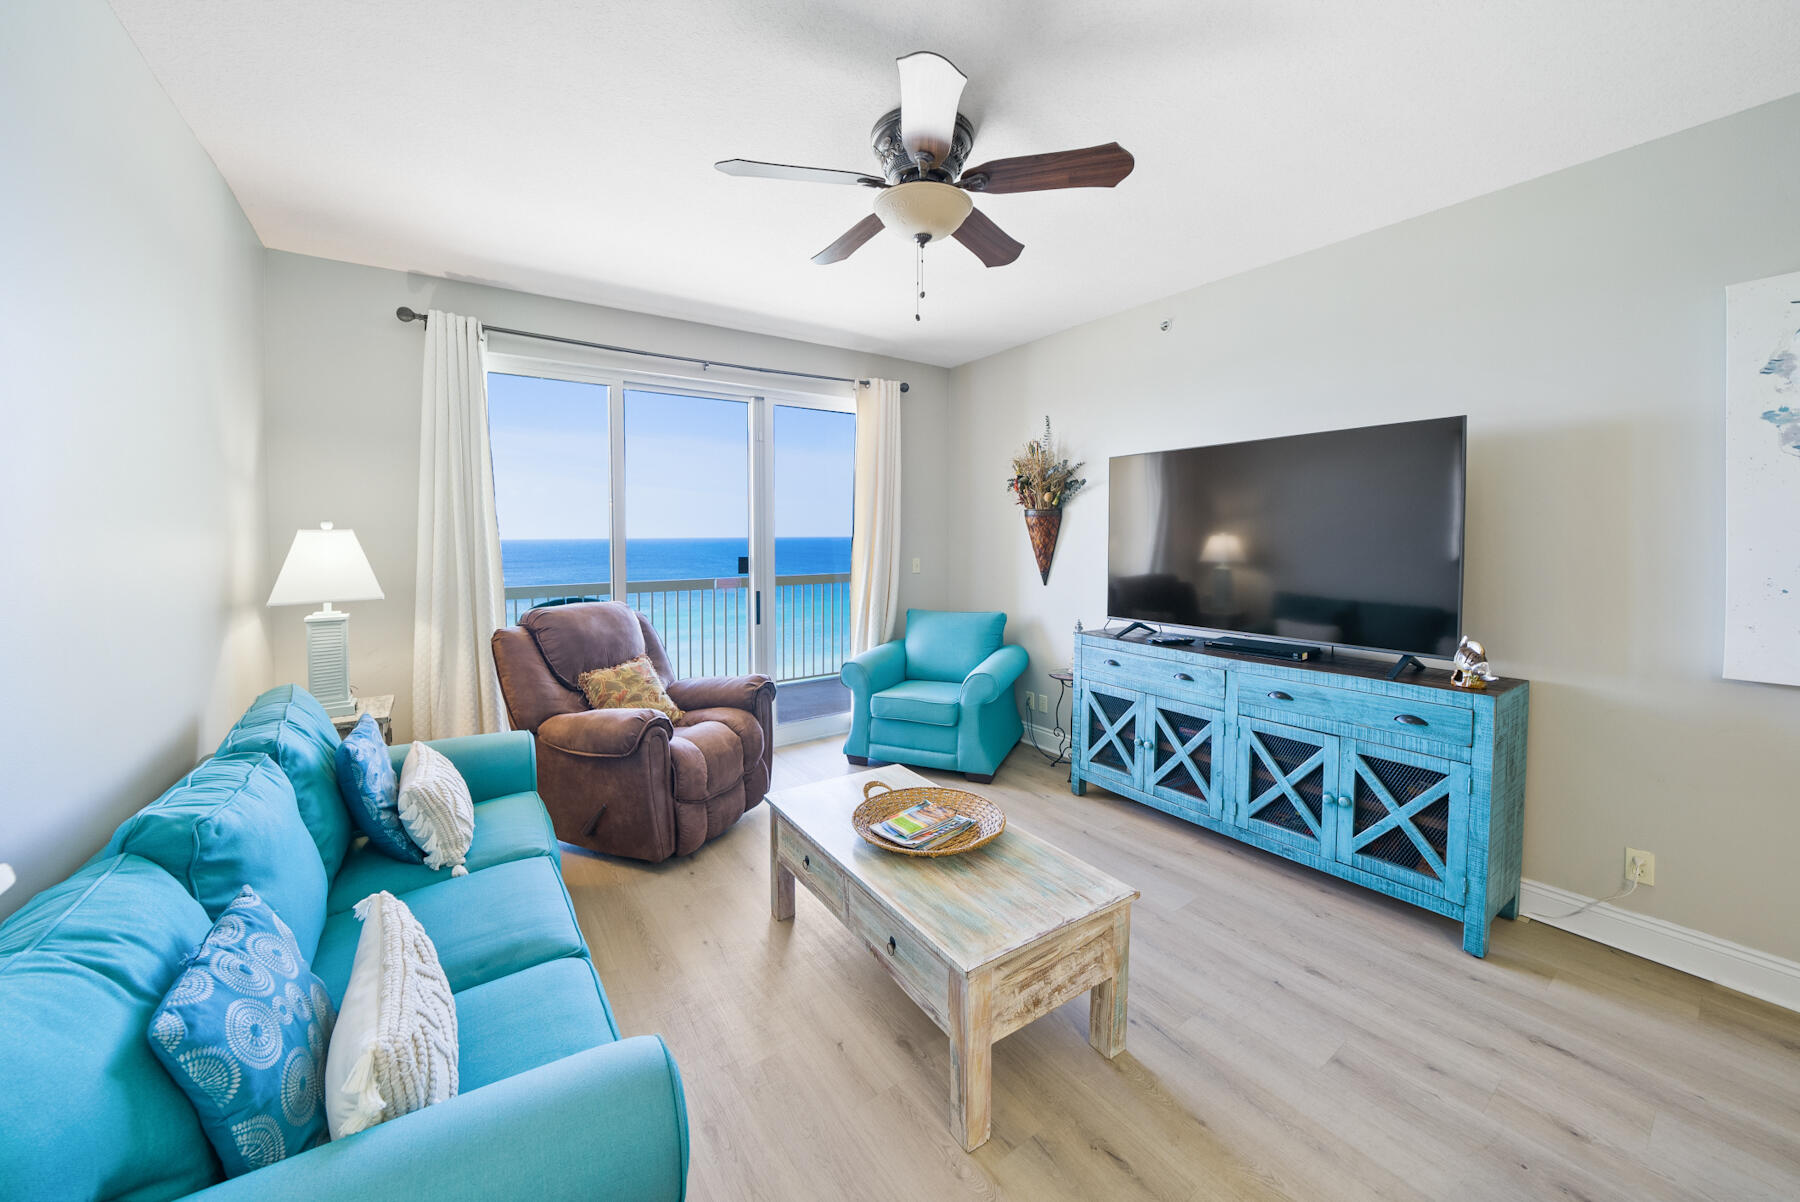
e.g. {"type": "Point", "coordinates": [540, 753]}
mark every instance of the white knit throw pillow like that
{"type": "Point", "coordinates": [435, 808]}
{"type": "Point", "coordinates": [393, 1050]}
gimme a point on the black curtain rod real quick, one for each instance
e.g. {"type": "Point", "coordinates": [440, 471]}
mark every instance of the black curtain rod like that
{"type": "Point", "coordinates": [406, 314]}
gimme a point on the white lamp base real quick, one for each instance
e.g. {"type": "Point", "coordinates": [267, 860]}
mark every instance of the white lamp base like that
{"type": "Point", "coordinates": [328, 661]}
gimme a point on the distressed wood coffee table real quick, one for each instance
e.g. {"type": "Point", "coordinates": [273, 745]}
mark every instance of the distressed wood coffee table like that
{"type": "Point", "coordinates": [984, 942]}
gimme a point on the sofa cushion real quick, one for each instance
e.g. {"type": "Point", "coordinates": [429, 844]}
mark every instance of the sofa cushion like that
{"type": "Point", "coordinates": [933, 702]}
{"type": "Point", "coordinates": [912, 736]}
{"type": "Point", "coordinates": [243, 1032]}
{"type": "Point", "coordinates": [941, 645]}
{"type": "Point", "coordinates": [484, 925]}
{"type": "Point", "coordinates": [290, 727]}
{"type": "Point", "coordinates": [232, 822]}
{"type": "Point", "coordinates": [708, 759]}
{"type": "Point", "coordinates": [507, 828]}
{"type": "Point", "coordinates": [370, 788]}
{"type": "Point", "coordinates": [87, 1112]}
{"type": "Point", "coordinates": [528, 1018]}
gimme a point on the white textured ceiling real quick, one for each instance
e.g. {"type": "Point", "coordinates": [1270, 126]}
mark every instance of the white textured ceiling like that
{"type": "Point", "coordinates": [566, 147]}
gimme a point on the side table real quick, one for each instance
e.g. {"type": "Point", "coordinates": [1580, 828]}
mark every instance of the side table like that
{"type": "Point", "coordinates": [381, 707]}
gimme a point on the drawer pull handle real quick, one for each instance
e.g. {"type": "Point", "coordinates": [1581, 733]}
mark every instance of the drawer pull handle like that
{"type": "Point", "coordinates": [1112, 663]}
{"type": "Point", "coordinates": [892, 946]}
{"type": "Point", "coordinates": [806, 860]}
{"type": "Point", "coordinates": [1278, 695]}
{"type": "Point", "coordinates": [1411, 719]}
{"type": "Point", "coordinates": [1182, 676]}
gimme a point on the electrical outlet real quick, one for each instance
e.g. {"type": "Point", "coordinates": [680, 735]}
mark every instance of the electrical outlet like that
{"type": "Point", "coordinates": [1044, 702]}
{"type": "Point", "coordinates": [1644, 863]}
{"type": "Point", "coordinates": [915, 565]}
{"type": "Point", "coordinates": [1030, 700]}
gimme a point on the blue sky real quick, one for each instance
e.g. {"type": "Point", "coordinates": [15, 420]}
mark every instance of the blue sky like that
{"type": "Point", "coordinates": [687, 464]}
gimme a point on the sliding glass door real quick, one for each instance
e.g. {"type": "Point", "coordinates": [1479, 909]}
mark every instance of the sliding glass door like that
{"type": "Point", "coordinates": [726, 515]}
{"type": "Point", "coordinates": [812, 475]}
{"type": "Point", "coordinates": [687, 527]}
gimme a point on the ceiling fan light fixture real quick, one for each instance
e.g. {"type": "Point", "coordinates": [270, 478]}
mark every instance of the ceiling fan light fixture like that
{"type": "Point", "coordinates": [923, 207]}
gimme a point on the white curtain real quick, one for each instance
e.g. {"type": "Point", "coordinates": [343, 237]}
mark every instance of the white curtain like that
{"type": "Point", "coordinates": [875, 534]}
{"type": "Point", "coordinates": [460, 595]}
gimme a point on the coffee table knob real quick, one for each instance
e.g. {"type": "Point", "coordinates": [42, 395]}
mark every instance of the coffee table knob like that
{"type": "Point", "coordinates": [892, 946]}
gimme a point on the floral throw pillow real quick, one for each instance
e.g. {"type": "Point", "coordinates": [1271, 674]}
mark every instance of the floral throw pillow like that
{"type": "Point", "coordinates": [244, 1032]}
{"type": "Point", "coordinates": [631, 685]}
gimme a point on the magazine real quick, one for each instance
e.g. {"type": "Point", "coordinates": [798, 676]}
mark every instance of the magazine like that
{"type": "Point", "coordinates": [921, 826]}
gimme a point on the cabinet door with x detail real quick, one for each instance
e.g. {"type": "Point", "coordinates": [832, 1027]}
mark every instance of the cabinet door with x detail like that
{"type": "Point", "coordinates": [1405, 817]}
{"type": "Point", "coordinates": [1185, 763]}
{"type": "Point", "coordinates": [1109, 735]}
{"type": "Point", "coordinates": [1285, 781]}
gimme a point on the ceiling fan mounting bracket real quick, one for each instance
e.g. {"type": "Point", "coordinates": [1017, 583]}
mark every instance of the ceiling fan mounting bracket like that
{"type": "Point", "coordinates": [898, 167]}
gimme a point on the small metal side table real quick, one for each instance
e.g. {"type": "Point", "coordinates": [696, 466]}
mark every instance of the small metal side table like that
{"type": "Point", "coordinates": [1064, 738]}
{"type": "Point", "coordinates": [381, 706]}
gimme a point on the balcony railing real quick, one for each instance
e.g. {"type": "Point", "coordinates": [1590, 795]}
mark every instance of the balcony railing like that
{"type": "Point", "coordinates": [705, 624]}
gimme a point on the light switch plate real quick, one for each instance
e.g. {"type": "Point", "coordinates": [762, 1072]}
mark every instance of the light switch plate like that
{"type": "Point", "coordinates": [915, 565]}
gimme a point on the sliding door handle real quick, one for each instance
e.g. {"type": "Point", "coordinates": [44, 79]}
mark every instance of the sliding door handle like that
{"type": "Point", "coordinates": [759, 607]}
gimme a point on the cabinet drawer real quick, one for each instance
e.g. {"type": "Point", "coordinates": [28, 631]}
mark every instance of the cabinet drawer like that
{"type": "Point", "coordinates": [811, 868]}
{"type": "Point", "coordinates": [1171, 678]}
{"type": "Point", "coordinates": [1293, 699]}
{"type": "Point", "coordinates": [925, 978]}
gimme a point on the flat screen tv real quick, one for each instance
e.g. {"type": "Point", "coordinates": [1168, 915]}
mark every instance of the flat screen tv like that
{"type": "Point", "coordinates": [1350, 537]}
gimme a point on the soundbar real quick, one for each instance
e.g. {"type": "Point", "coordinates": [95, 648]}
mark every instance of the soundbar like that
{"type": "Point", "coordinates": [1298, 652]}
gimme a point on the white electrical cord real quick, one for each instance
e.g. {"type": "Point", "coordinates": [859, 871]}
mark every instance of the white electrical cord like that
{"type": "Point", "coordinates": [1637, 875]}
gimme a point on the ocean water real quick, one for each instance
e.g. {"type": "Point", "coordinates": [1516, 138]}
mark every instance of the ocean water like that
{"type": "Point", "coordinates": [705, 630]}
{"type": "Point", "coordinates": [587, 560]}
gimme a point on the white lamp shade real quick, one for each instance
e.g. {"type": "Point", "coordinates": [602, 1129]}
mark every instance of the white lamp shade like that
{"type": "Point", "coordinates": [325, 565]}
{"type": "Point", "coordinates": [1222, 548]}
{"type": "Point", "coordinates": [6, 877]}
{"type": "Point", "coordinates": [923, 207]}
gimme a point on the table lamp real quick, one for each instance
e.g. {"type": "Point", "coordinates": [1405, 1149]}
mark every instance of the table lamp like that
{"type": "Point", "coordinates": [323, 566]}
{"type": "Point", "coordinates": [6, 877]}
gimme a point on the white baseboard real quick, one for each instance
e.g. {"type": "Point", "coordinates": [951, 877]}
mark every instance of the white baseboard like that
{"type": "Point", "coordinates": [1732, 965]}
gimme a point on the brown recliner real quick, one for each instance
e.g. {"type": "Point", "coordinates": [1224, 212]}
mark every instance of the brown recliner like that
{"type": "Point", "coordinates": [628, 782]}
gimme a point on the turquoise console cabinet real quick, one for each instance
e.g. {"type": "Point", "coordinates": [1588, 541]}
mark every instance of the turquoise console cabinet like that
{"type": "Point", "coordinates": [1414, 788]}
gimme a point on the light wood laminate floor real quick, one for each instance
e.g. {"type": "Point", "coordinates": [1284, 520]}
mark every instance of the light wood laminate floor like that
{"type": "Point", "coordinates": [1291, 1037]}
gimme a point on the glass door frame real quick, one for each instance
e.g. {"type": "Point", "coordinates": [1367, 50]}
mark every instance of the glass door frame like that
{"type": "Point", "coordinates": [618, 374]}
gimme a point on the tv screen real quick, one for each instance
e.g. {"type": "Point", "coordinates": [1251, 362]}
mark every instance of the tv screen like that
{"type": "Point", "coordinates": [1349, 537]}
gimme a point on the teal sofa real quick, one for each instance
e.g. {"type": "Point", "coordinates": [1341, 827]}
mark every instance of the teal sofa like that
{"type": "Point", "coordinates": [553, 1103]}
{"type": "Point", "coordinates": [940, 696]}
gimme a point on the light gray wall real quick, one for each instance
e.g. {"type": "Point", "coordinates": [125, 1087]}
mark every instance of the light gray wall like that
{"type": "Point", "coordinates": [133, 527]}
{"type": "Point", "coordinates": [1578, 320]}
{"type": "Point", "coordinates": [342, 379]}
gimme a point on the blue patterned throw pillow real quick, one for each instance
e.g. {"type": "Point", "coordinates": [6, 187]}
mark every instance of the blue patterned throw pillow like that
{"type": "Point", "coordinates": [365, 776]}
{"type": "Point", "coordinates": [244, 1031]}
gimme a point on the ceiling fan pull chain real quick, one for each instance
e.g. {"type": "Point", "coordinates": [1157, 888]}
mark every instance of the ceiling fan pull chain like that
{"type": "Point", "coordinates": [919, 281]}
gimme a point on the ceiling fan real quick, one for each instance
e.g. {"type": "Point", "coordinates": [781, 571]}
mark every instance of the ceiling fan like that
{"type": "Point", "coordinates": [923, 189]}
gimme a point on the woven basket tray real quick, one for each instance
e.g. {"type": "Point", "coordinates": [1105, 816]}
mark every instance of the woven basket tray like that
{"type": "Point", "coordinates": [878, 807]}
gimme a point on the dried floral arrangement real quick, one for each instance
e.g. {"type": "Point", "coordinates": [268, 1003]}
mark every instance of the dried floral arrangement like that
{"type": "Point", "coordinates": [1041, 479]}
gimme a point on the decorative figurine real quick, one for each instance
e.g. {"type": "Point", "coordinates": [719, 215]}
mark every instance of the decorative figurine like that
{"type": "Point", "coordinates": [1471, 666]}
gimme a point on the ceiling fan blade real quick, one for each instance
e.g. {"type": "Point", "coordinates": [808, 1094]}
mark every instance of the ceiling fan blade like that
{"type": "Point", "coordinates": [807, 175]}
{"type": "Point", "coordinates": [930, 89]}
{"type": "Point", "coordinates": [1093, 167]}
{"type": "Point", "coordinates": [991, 244]}
{"type": "Point", "coordinates": [853, 238]}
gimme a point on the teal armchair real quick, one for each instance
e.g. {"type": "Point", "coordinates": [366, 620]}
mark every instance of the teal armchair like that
{"type": "Point", "coordinates": [938, 697]}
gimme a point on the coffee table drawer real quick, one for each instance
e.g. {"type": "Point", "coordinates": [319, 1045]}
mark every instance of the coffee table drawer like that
{"type": "Point", "coordinates": [925, 978]}
{"type": "Point", "coordinates": [811, 867]}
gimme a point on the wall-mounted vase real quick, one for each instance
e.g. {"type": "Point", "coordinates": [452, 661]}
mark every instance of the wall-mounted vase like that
{"type": "Point", "coordinates": [1043, 525]}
